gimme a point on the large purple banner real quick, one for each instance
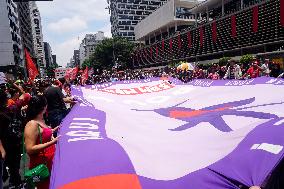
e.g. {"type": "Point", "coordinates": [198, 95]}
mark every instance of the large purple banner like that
{"type": "Point", "coordinates": [154, 133]}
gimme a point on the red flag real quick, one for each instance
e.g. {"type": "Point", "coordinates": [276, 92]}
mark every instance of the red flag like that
{"type": "Point", "coordinates": [163, 44]}
{"type": "Point", "coordinates": [32, 70]}
{"type": "Point", "coordinates": [201, 36]}
{"type": "Point", "coordinates": [282, 12]}
{"type": "Point", "coordinates": [255, 19]}
{"type": "Point", "coordinates": [179, 42]}
{"type": "Point", "coordinates": [74, 73]}
{"type": "Point", "coordinates": [214, 31]}
{"type": "Point", "coordinates": [171, 43]}
{"type": "Point", "coordinates": [189, 39]}
{"type": "Point", "coordinates": [234, 25]}
{"type": "Point", "coordinates": [85, 75]}
{"type": "Point", "coordinates": [68, 73]}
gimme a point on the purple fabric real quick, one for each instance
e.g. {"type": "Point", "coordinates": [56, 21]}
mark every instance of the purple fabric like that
{"type": "Point", "coordinates": [100, 155]}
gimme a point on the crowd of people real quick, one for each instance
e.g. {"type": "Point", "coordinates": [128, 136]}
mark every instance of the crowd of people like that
{"type": "Point", "coordinates": [232, 70]}
{"type": "Point", "coordinates": [34, 110]}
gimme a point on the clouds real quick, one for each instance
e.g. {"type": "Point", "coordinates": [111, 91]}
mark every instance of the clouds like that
{"type": "Point", "coordinates": [65, 25]}
{"type": "Point", "coordinates": [64, 21]}
{"type": "Point", "coordinates": [65, 50]}
{"type": "Point", "coordinates": [87, 9]}
{"type": "Point", "coordinates": [106, 29]}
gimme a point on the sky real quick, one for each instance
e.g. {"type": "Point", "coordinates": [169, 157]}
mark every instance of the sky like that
{"type": "Point", "coordinates": [65, 23]}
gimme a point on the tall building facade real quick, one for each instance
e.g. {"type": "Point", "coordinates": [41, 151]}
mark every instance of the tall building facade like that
{"type": "Point", "coordinates": [125, 14]}
{"type": "Point", "coordinates": [76, 58]}
{"type": "Point", "coordinates": [223, 29]}
{"type": "Point", "coordinates": [48, 54]}
{"type": "Point", "coordinates": [54, 59]}
{"type": "Point", "coordinates": [71, 63]}
{"type": "Point", "coordinates": [11, 52]}
{"type": "Point", "coordinates": [88, 45]}
{"type": "Point", "coordinates": [26, 26]}
{"type": "Point", "coordinates": [37, 35]}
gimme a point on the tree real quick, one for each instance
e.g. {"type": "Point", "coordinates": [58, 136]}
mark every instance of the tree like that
{"type": "Point", "coordinates": [224, 61]}
{"type": "Point", "coordinates": [112, 51]}
{"type": "Point", "coordinates": [50, 70]}
{"type": "Point", "coordinates": [246, 59]}
{"type": "Point", "coordinates": [87, 63]}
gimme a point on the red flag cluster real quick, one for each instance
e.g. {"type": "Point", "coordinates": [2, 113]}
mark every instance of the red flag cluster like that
{"type": "Point", "coordinates": [71, 73]}
{"type": "Point", "coordinates": [85, 75]}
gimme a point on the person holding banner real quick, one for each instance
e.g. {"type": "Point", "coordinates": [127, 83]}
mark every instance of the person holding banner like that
{"type": "Point", "coordinates": [2, 157]}
{"type": "Point", "coordinates": [11, 136]}
{"type": "Point", "coordinates": [233, 71]}
{"type": "Point", "coordinates": [56, 109]}
{"type": "Point", "coordinates": [36, 129]}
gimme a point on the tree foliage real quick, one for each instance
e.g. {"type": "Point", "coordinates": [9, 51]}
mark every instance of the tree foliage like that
{"type": "Point", "coordinates": [110, 51]}
{"type": "Point", "coordinates": [224, 61]}
{"type": "Point", "coordinates": [246, 59]}
{"type": "Point", "coordinates": [87, 63]}
{"type": "Point", "coordinates": [50, 70]}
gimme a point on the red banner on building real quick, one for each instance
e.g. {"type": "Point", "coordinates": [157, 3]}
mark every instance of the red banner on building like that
{"type": "Point", "coordinates": [163, 44]}
{"type": "Point", "coordinates": [214, 31]}
{"type": "Point", "coordinates": [189, 39]}
{"type": "Point", "coordinates": [151, 52]}
{"type": "Point", "coordinates": [282, 12]}
{"type": "Point", "coordinates": [171, 44]}
{"type": "Point", "coordinates": [255, 19]}
{"type": "Point", "coordinates": [31, 67]}
{"type": "Point", "coordinates": [179, 41]}
{"type": "Point", "coordinates": [234, 25]}
{"type": "Point", "coordinates": [157, 51]}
